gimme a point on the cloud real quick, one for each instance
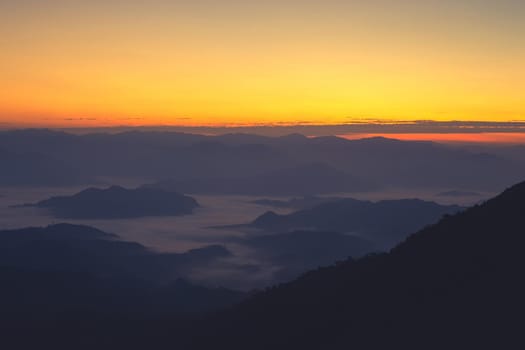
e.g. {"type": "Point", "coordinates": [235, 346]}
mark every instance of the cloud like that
{"type": "Point", "coordinates": [80, 119]}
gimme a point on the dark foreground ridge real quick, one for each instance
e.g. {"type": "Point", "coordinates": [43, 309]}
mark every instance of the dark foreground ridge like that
{"type": "Point", "coordinates": [456, 284]}
{"type": "Point", "coordinates": [296, 252]}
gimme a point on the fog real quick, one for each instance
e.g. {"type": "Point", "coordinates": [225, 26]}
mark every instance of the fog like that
{"type": "Point", "coordinates": [182, 233]}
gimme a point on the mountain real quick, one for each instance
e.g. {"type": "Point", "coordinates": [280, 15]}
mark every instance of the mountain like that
{"type": "Point", "coordinates": [59, 308]}
{"type": "Point", "coordinates": [456, 284]}
{"type": "Point", "coordinates": [294, 253]}
{"type": "Point", "coordinates": [214, 163]}
{"type": "Point", "coordinates": [385, 222]}
{"type": "Point", "coordinates": [37, 169]}
{"type": "Point", "coordinates": [457, 193]}
{"type": "Point", "coordinates": [305, 202]}
{"type": "Point", "coordinates": [118, 202]}
{"type": "Point", "coordinates": [416, 164]}
{"type": "Point", "coordinates": [69, 273]}
{"type": "Point", "coordinates": [65, 247]}
{"type": "Point", "coordinates": [305, 179]}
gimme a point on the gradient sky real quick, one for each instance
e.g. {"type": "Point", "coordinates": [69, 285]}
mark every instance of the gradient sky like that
{"type": "Point", "coordinates": [138, 62]}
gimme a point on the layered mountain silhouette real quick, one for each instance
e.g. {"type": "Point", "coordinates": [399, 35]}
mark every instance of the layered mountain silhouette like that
{"type": "Point", "coordinates": [304, 202]}
{"type": "Point", "coordinates": [213, 164]}
{"type": "Point", "coordinates": [305, 179]}
{"type": "Point", "coordinates": [36, 169]}
{"type": "Point", "coordinates": [456, 284]}
{"type": "Point", "coordinates": [385, 222]}
{"type": "Point", "coordinates": [66, 272]}
{"type": "Point", "coordinates": [117, 202]}
{"type": "Point", "coordinates": [296, 252]}
{"type": "Point", "coordinates": [65, 247]}
{"type": "Point", "coordinates": [457, 193]}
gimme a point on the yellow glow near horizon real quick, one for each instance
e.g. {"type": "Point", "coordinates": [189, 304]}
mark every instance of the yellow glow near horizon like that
{"type": "Point", "coordinates": [112, 64]}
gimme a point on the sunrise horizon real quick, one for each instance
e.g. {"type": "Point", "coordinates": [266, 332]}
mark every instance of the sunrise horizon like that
{"type": "Point", "coordinates": [262, 174]}
{"type": "Point", "coordinates": [233, 63]}
{"type": "Point", "coordinates": [453, 131]}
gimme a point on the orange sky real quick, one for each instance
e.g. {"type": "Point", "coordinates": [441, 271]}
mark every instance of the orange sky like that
{"type": "Point", "coordinates": [100, 63]}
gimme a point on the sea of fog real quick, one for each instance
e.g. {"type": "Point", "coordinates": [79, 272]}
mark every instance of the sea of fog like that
{"type": "Point", "coordinates": [179, 234]}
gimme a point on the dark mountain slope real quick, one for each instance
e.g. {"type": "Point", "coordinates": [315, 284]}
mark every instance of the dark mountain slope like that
{"type": "Point", "coordinates": [55, 275]}
{"type": "Point", "coordinates": [41, 308]}
{"type": "Point", "coordinates": [84, 249]}
{"type": "Point", "coordinates": [456, 284]}
{"type": "Point", "coordinates": [296, 252]}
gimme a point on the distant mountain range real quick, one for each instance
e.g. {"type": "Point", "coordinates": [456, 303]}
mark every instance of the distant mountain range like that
{"type": "Point", "coordinates": [252, 164]}
{"type": "Point", "coordinates": [456, 193]}
{"type": "Point", "coordinates": [32, 168]}
{"type": "Point", "coordinates": [305, 202]}
{"type": "Point", "coordinates": [117, 202]}
{"type": "Point", "coordinates": [385, 223]}
{"type": "Point", "coordinates": [301, 180]}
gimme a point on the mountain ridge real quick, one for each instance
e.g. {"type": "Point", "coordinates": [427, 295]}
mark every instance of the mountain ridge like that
{"type": "Point", "coordinates": [457, 282]}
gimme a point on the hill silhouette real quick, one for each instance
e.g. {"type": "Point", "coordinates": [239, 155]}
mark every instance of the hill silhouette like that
{"type": "Point", "coordinates": [306, 179]}
{"type": "Point", "coordinates": [65, 247]}
{"type": "Point", "coordinates": [456, 193]}
{"type": "Point", "coordinates": [213, 163]}
{"type": "Point", "coordinates": [294, 253]}
{"type": "Point", "coordinates": [455, 284]}
{"type": "Point", "coordinates": [69, 273]}
{"type": "Point", "coordinates": [33, 168]}
{"type": "Point", "coordinates": [385, 222]}
{"type": "Point", "coordinates": [304, 202]}
{"type": "Point", "coordinates": [117, 202]}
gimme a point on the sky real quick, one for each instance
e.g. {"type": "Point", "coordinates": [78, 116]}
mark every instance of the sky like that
{"type": "Point", "coordinates": [211, 62]}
